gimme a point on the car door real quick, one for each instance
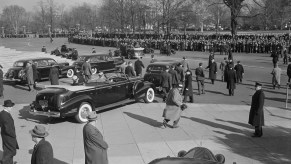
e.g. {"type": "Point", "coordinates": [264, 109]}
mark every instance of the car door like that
{"type": "Point", "coordinates": [43, 68]}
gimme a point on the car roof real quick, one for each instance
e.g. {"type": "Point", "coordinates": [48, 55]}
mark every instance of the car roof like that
{"type": "Point", "coordinates": [33, 59]}
{"type": "Point", "coordinates": [165, 63]}
{"type": "Point", "coordinates": [90, 55]}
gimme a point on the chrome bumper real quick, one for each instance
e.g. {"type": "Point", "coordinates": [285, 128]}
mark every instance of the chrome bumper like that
{"type": "Point", "coordinates": [12, 80]}
{"type": "Point", "coordinates": [49, 113]}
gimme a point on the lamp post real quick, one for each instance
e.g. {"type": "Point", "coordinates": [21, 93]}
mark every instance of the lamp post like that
{"type": "Point", "coordinates": [3, 34]}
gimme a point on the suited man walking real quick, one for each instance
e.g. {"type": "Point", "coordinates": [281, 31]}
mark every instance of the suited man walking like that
{"type": "Point", "coordinates": [166, 82]}
{"type": "Point", "coordinates": [94, 145]}
{"type": "Point", "coordinates": [200, 79]}
{"type": "Point", "coordinates": [129, 70]}
{"type": "Point", "coordinates": [212, 71]}
{"type": "Point", "coordinates": [8, 135]}
{"type": "Point", "coordinates": [42, 151]}
{"type": "Point", "coordinates": [87, 70]}
{"type": "Point", "coordinates": [231, 80]}
{"type": "Point", "coordinates": [239, 71]}
{"type": "Point", "coordinates": [138, 65]}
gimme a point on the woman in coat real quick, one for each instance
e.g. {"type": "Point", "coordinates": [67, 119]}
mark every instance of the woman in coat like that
{"type": "Point", "coordinates": [188, 90]}
{"type": "Point", "coordinates": [54, 76]}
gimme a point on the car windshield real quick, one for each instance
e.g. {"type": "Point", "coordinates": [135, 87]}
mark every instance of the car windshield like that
{"type": "Point", "coordinates": [18, 64]}
{"type": "Point", "coordinates": [155, 68]}
{"type": "Point", "coordinates": [81, 58]}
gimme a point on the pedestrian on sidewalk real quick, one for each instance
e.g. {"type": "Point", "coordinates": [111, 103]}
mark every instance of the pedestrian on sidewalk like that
{"type": "Point", "coordinates": [94, 144]}
{"type": "Point", "coordinates": [43, 150]}
{"type": "Point", "coordinates": [276, 80]}
{"type": "Point", "coordinates": [239, 69]}
{"type": "Point", "coordinates": [200, 79]}
{"type": "Point", "coordinates": [174, 107]}
{"type": "Point", "coordinates": [166, 82]}
{"type": "Point", "coordinates": [231, 80]}
{"type": "Point", "coordinates": [212, 70]}
{"type": "Point", "coordinates": [29, 76]}
{"type": "Point", "coordinates": [188, 89]}
{"type": "Point", "coordinates": [222, 68]}
{"type": "Point", "coordinates": [256, 115]}
{"type": "Point", "coordinates": [8, 135]}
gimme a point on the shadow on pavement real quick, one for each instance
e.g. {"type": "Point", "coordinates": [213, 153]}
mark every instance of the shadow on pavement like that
{"type": "Point", "coordinates": [56, 161]}
{"type": "Point", "coordinates": [143, 119]}
{"type": "Point", "coordinates": [1, 154]}
{"type": "Point", "coordinates": [236, 123]}
{"type": "Point", "coordinates": [215, 92]}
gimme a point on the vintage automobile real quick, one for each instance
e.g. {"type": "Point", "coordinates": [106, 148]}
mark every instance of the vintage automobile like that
{"type": "Point", "coordinates": [43, 66]}
{"type": "Point", "coordinates": [197, 155]}
{"type": "Point", "coordinates": [77, 101]}
{"type": "Point", "coordinates": [130, 52]}
{"type": "Point", "coordinates": [99, 63]}
{"type": "Point", "coordinates": [153, 71]}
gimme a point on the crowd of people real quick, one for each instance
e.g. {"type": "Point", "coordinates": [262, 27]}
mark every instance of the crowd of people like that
{"type": "Point", "coordinates": [216, 43]}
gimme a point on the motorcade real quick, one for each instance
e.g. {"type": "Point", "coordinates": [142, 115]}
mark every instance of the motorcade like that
{"type": "Point", "coordinates": [197, 155]}
{"type": "Point", "coordinates": [98, 62]}
{"type": "Point", "coordinates": [154, 70]}
{"type": "Point", "coordinates": [130, 52]}
{"type": "Point", "coordinates": [43, 66]}
{"type": "Point", "coordinates": [98, 94]}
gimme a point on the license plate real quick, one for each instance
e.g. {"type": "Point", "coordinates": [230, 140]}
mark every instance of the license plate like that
{"type": "Point", "coordinates": [43, 103]}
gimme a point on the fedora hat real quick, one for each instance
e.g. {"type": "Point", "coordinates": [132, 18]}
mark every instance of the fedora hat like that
{"type": "Point", "coordinates": [8, 103]}
{"type": "Point", "coordinates": [39, 131]}
{"type": "Point", "coordinates": [92, 116]}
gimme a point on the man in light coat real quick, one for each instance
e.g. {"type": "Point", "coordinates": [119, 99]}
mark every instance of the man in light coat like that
{"type": "Point", "coordinates": [94, 144]}
{"type": "Point", "coordinates": [276, 80]}
{"type": "Point", "coordinates": [87, 70]}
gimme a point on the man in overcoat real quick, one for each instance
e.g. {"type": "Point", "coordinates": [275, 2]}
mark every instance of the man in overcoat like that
{"type": "Point", "coordinates": [276, 80]}
{"type": "Point", "coordinates": [138, 65]}
{"type": "Point", "coordinates": [212, 71]}
{"type": "Point", "coordinates": [1, 82]}
{"type": "Point", "coordinates": [43, 150]}
{"type": "Point", "coordinates": [87, 70]}
{"type": "Point", "coordinates": [174, 75]}
{"type": "Point", "coordinates": [188, 89]}
{"type": "Point", "coordinates": [54, 75]}
{"type": "Point", "coordinates": [129, 70]}
{"type": "Point", "coordinates": [200, 79]}
{"type": "Point", "coordinates": [231, 80]}
{"type": "Point", "coordinates": [172, 111]}
{"type": "Point", "coordinates": [289, 73]}
{"type": "Point", "coordinates": [256, 115]}
{"type": "Point", "coordinates": [94, 145]}
{"type": "Point", "coordinates": [29, 76]}
{"type": "Point", "coordinates": [35, 73]}
{"type": "Point", "coordinates": [239, 69]}
{"type": "Point", "coordinates": [8, 135]}
{"type": "Point", "coordinates": [166, 82]}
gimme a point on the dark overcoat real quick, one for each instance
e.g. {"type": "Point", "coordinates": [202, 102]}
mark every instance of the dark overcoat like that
{"type": "Point", "coordinates": [231, 79]}
{"type": "Point", "coordinates": [175, 77]}
{"type": "Point", "coordinates": [188, 85]}
{"type": "Point", "coordinates": [181, 74]}
{"type": "Point", "coordinates": [239, 71]}
{"type": "Point", "coordinates": [86, 67]}
{"type": "Point", "coordinates": [29, 75]}
{"type": "Point", "coordinates": [42, 153]}
{"type": "Point", "coordinates": [35, 73]}
{"type": "Point", "coordinates": [256, 115]}
{"type": "Point", "coordinates": [1, 83]}
{"type": "Point", "coordinates": [138, 65]}
{"type": "Point", "coordinates": [166, 80]}
{"type": "Point", "coordinates": [289, 70]}
{"type": "Point", "coordinates": [129, 71]}
{"type": "Point", "coordinates": [9, 141]}
{"type": "Point", "coordinates": [54, 76]}
{"type": "Point", "coordinates": [94, 145]}
{"type": "Point", "coordinates": [212, 70]}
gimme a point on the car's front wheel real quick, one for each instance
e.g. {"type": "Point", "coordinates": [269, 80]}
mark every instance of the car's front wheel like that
{"type": "Point", "coordinates": [70, 73]}
{"type": "Point", "coordinates": [94, 71]}
{"type": "Point", "coordinates": [149, 95]}
{"type": "Point", "coordinates": [84, 109]}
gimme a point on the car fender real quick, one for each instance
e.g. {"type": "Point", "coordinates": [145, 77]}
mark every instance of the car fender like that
{"type": "Point", "coordinates": [70, 107]}
{"type": "Point", "coordinates": [140, 88]}
{"type": "Point", "coordinates": [64, 69]}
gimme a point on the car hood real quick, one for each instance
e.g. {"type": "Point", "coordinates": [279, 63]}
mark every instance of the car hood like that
{"type": "Point", "coordinates": [62, 88]}
{"type": "Point", "coordinates": [14, 69]}
{"type": "Point", "coordinates": [78, 63]}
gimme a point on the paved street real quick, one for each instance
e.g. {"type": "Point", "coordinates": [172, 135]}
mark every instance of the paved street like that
{"type": "Point", "coordinates": [215, 121]}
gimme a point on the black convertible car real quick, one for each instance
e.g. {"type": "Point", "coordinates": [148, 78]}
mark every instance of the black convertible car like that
{"type": "Point", "coordinates": [43, 66]}
{"type": "Point", "coordinates": [67, 101]}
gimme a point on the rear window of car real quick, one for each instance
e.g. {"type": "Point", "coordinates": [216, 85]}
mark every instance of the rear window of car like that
{"type": "Point", "coordinates": [156, 68]}
{"type": "Point", "coordinates": [18, 64]}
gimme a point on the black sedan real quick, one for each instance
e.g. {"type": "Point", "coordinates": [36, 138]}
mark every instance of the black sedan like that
{"type": "Point", "coordinates": [153, 71]}
{"type": "Point", "coordinates": [67, 101]}
{"type": "Point", "coordinates": [43, 66]}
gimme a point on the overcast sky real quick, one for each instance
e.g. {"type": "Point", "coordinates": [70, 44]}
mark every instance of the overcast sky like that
{"type": "Point", "coordinates": [29, 5]}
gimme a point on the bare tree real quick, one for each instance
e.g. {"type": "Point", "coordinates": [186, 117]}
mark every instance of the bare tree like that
{"type": "Point", "coordinates": [13, 15]}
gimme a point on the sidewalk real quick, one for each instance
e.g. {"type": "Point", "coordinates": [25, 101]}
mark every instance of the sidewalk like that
{"type": "Point", "coordinates": [134, 136]}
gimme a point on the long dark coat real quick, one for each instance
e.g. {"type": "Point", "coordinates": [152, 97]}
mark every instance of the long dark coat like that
{"type": "Point", "coordinates": [175, 77]}
{"type": "Point", "coordinates": [29, 75]}
{"type": "Point", "coordinates": [54, 76]}
{"type": "Point", "coordinates": [231, 79]}
{"type": "Point", "coordinates": [212, 70]}
{"type": "Point", "coordinates": [166, 80]}
{"type": "Point", "coordinates": [94, 145]}
{"type": "Point", "coordinates": [35, 73]}
{"type": "Point", "coordinates": [86, 67]}
{"type": "Point", "coordinates": [239, 71]}
{"type": "Point", "coordinates": [8, 135]}
{"type": "Point", "coordinates": [256, 115]}
{"type": "Point", "coordinates": [42, 153]}
{"type": "Point", "coordinates": [188, 85]}
{"type": "Point", "coordinates": [1, 83]}
{"type": "Point", "coordinates": [138, 65]}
